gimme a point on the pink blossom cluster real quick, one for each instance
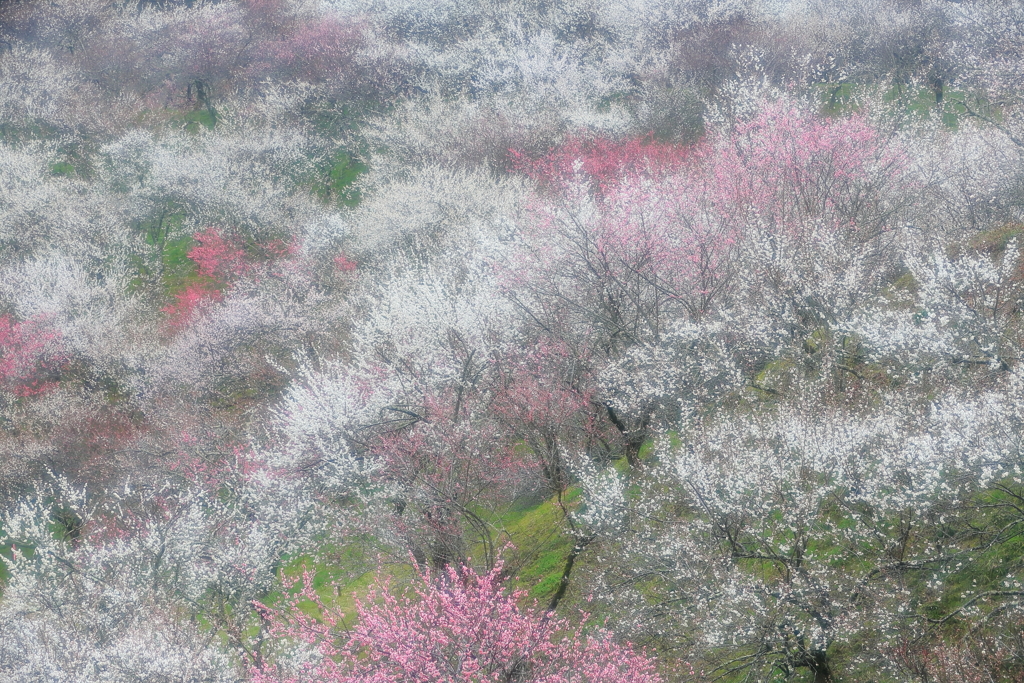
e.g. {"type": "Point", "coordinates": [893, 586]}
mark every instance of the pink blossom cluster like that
{"type": "Point", "coordinates": [601, 161]}
{"type": "Point", "coordinates": [30, 355]}
{"type": "Point", "coordinates": [455, 627]}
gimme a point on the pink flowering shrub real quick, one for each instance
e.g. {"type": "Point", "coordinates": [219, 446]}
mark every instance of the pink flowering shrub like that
{"type": "Point", "coordinates": [216, 256]}
{"type": "Point", "coordinates": [220, 261]}
{"type": "Point", "coordinates": [456, 627]}
{"type": "Point", "coordinates": [344, 264]}
{"type": "Point", "coordinates": [187, 304]}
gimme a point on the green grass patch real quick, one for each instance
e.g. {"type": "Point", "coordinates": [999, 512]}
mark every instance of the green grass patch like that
{"type": "Point", "coordinates": [341, 575]}
{"type": "Point", "coordinates": [177, 270]}
{"type": "Point", "coordinates": [537, 531]}
{"type": "Point", "coordinates": [836, 99]}
{"type": "Point", "coordinates": [336, 182]}
{"type": "Point", "coordinates": [192, 121]}
{"type": "Point", "coordinates": [62, 168]}
{"type": "Point", "coordinates": [166, 259]}
{"type": "Point", "coordinates": [996, 241]}
{"type": "Point", "coordinates": [950, 106]}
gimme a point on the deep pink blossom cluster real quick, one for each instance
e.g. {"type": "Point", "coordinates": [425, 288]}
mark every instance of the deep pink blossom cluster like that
{"type": "Point", "coordinates": [457, 626]}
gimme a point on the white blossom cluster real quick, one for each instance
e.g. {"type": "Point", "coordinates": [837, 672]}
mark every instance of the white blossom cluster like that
{"type": "Point", "coordinates": [99, 591]}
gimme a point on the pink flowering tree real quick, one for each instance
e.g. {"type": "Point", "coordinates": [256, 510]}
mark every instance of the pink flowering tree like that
{"type": "Point", "coordinates": [444, 467]}
{"type": "Point", "coordinates": [30, 356]}
{"type": "Point", "coordinates": [454, 627]}
{"type": "Point", "coordinates": [783, 213]}
{"type": "Point", "coordinates": [788, 167]}
{"type": "Point", "coordinates": [542, 400]}
{"type": "Point", "coordinates": [602, 163]}
{"type": "Point", "coordinates": [651, 232]}
{"type": "Point", "coordinates": [623, 242]}
{"type": "Point", "coordinates": [628, 227]}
